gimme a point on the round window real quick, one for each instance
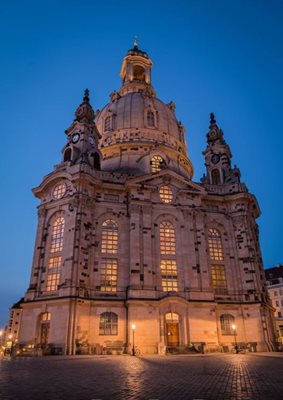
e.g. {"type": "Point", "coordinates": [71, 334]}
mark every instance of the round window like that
{"type": "Point", "coordinates": [59, 191]}
{"type": "Point", "coordinates": [166, 194]}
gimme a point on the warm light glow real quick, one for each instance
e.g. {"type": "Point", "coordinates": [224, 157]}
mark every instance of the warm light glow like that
{"type": "Point", "coordinates": [215, 245]}
{"type": "Point", "coordinates": [167, 238]}
{"type": "Point", "coordinates": [133, 327]}
{"type": "Point", "coordinates": [166, 194]}
{"type": "Point", "coordinates": [156, 163]}
{"type": "Point", "coordinates": [1, 333]}
{"type": "Point", "coordinates": [233, 327]}
{"type": "Point", "coordinates": [10, 337]}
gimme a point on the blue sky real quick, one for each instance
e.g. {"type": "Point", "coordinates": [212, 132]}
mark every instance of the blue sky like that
{"type": "Point", "coordinates": [221, 56]}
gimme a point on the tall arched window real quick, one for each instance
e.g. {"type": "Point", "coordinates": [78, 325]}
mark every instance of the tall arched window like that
{"type": "Point", "coordinates": [109, 239]}
{"type": "Point", "coordinates": [109, 262]}
{"type": "Point", "coordinates": [108, 324]}
{"type": "Point", "coordinates": [55, 262]}
{"type": "Point", "coordinates": [57, 235]}
{"type": "Point", "coordinates": [168, 264]}
{"type": "Point", "coordinates": [167, 238]}
{"type": "Point", "coordinates": [215, 245]}
{"type": "Point", "coordinates": [215, 177]}
{"type": "Point", "coordinates": [150, 118]}
{"type": "Point", "coordinates": [226, 322]}
{"type": "Point", "coordinates": [218, 274]}
{"type": "Point", "coordinates": [156, 163]}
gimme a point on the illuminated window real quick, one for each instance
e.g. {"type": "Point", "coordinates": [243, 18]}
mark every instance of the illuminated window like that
{"type": "Point", "coordinates": [156, 163]}
{"type": "Point", "coordinates": [167, 238]}
{"type": "Point", "coordinates": [109, 239]}
{"type": "Point", "coordinates": [46, 316]}
{"type": "Point", "coordinates": [169, 275]}
{"type": "Point", "coordinates": [150, 118]}
{"type": "Point", "coordinates": [59, 191]}
{"type": "Point", "coordinates": [166, 194]}
{"type": "Point", "coordinates": [57, 235]}
{"type": "Point", "coordinates": [172, 317]}
{"type": "Point", "coordinates": [215, 245]}
{"type": "Point", "coordinates": [226, 322]}
{"type": "Point", "coordinates": [108, 124]}
{"type": "Point", "coordinates": [108, 324]}
{"type": "Point", "coordinates": [108, 275]}
{"type": "Point", "coordinates": [218, 276]}
{"type": "Point", "coordinates": [53, 273]}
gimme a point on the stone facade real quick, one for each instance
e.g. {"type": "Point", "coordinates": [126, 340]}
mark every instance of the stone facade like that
{"type": "Point", "coordinates": [274, 280]}
{"type": "Point", "coordinates": [126, 237]}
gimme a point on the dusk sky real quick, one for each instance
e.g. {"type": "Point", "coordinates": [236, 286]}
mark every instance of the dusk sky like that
{"type": "Point", "coordinates": [224, 56]}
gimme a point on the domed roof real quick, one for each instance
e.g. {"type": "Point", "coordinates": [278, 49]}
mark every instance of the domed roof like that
{"type": "Point", "coordinates": [130, 112]}
{"type": "Point", "coordinates": [136, 125]}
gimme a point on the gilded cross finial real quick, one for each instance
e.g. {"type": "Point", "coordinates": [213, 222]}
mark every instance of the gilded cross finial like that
{"type": "Point", "coordinates": [136, 42]}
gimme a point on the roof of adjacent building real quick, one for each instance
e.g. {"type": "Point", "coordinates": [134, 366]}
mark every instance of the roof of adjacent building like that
{"type": "Point", "coordinates": [273, 274]}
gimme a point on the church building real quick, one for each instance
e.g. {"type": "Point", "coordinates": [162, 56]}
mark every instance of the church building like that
{"type": "Point", "coordinates": [130, 251]}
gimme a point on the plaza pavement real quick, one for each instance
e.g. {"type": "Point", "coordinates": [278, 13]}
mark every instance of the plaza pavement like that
{"type": "Point", "coordinates": [209, 376]}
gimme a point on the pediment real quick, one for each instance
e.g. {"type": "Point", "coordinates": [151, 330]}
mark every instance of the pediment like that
{"type": "Point", "coordinates": [167, 177]}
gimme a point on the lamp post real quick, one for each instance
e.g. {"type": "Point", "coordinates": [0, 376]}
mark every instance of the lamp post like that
{"type": "Point", "coordinates": [133, 349]}
{"type": "Point", "coordinates": [235, 337]}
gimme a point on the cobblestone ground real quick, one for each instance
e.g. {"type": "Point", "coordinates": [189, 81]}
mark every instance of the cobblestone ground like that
{"type": "Point", "coordinates": [229, 377]}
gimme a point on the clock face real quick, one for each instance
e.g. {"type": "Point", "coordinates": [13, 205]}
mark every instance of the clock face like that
{"type": "Point", "coordinates": [215, 158]}
{"type": "Point", "coordinates": [91, 140]}
{"type": "Point", "coordinates": [75, 137]}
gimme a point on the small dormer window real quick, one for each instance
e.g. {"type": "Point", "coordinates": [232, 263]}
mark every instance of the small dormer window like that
{"type": "Point", "coordinates": [150, 118]}
{"type": "Point", "coordinates": [156, 163]}
{"type": "Point", "coordinates": [139, 73]}
{"type": "Point", "coordinates": [108, 124]}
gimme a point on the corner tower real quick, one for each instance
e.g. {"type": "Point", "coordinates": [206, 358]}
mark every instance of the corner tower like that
{"type": "Point", "coordinates": [139, 133]}
{"type": "Point", "coordinates": [218, 158]}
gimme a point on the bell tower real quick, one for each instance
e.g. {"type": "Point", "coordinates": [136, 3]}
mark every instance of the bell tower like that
{"type": "Point", "coordinates": [218, 158]}
{"type": "Point", "coordinates": [83, 137]}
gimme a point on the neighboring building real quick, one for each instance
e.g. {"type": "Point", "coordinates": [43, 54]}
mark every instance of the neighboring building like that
{"type": "Point", "coordinates": [14, 323]}
{"type": "Point", "coordinates": [274, 279]}
{"type": "Point", "coordinates": [126, 237]}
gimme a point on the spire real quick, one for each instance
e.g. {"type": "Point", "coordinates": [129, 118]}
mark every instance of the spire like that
{"type": "Point", "coordinates": [136, 43]}
{"type": "Point", "coordinates": [215, 135]}
{"type": "Point", "coordinates": [85, 112]}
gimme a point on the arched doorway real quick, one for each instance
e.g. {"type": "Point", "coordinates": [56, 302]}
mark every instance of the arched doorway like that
{"type": "Point", "coordinates": [44, 326]}
{"type": "Point", "coordinates": [172, 329]}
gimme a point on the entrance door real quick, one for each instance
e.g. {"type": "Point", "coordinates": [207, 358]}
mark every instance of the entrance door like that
{"type": "Point", "coordinates": [172, 334]}
{"type": "Point", "coordinates": [172, 329]}
{"type": "Point", "coordinates": [44, 333]}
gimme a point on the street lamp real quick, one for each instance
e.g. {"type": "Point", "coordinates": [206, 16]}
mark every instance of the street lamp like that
{"type": "Point", "coordinates": [235, 337]}
{"type": "Point", "coordinates": [133, 349]}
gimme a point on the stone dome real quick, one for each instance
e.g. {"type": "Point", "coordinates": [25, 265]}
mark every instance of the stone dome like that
{"type": "Point", "coordinates": [135, 123]}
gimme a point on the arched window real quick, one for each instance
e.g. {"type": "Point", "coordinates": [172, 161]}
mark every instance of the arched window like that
{"type": "Point", "coordinates": [108, 324]}
{"type": "Point", "coordinates": [109, 262]}
{"type": "Point", "coordinates": [218, 274]}
{"type": "Point", "coordinates": [215, 245]}
{"type": "Point", "coordinates": [167, 238]}
{"type": "Point", "coordinates": [55, 262]}
{"type": "Point", "coordinates": [226, 322]}
{"type": "Point", "coordinates": [150, 118]}
{"type": "Point", "coordinates": [68, 155]}
{"type": "Point", "coordinates": [109, 239]}
{"type": "Point", "coordinates": [108, 123]}
{"type": "Point", "coordinates": [215, 177]}
{"type": "Point", "coordinates": [57, 235]}
{"type": "Point", "coordinates": [139, 73]}
{"type": "Point", "coordinates": [96, 161]}
{"type": "Point", "coordinates": [168, 266]}
{"type": "Point", "coordinates": [156, 163]}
